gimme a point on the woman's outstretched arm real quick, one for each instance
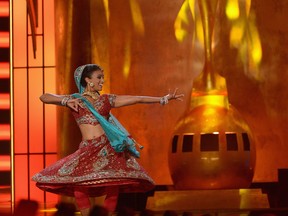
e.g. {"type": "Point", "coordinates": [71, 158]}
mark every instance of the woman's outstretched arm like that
{"type": "Point", "coordinates": [61, 100]}
{"type": "Point", "coordinates": [126, 100]}
{"type": "Point", "coordinates": [48, 98]}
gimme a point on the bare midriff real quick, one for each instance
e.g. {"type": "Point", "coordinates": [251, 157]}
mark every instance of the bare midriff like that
{"type": "Point", "coordinates": [89, 131]}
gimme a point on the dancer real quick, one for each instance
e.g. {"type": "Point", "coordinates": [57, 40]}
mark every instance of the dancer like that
{"type": "Point", "coordinates": [105, 161]}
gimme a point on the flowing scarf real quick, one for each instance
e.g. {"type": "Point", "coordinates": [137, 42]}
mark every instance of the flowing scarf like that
{"type": "Point", "coordinates": [118, 136]}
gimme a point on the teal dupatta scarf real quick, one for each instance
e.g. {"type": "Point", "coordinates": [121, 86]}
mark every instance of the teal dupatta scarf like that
{"type": "Point", "coordinates": [117, 135]}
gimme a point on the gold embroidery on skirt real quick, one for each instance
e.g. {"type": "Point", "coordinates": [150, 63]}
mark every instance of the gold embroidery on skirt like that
{"type": "Point", "coordinates": [131, 163]}
{"type": "Point", "coordinates": [69, 167]}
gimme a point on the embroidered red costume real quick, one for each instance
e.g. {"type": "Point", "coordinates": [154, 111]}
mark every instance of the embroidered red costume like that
{"type": "Point", "coordinates": [95, 165]}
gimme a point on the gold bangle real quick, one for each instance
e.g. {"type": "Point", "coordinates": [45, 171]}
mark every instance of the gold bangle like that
{"type": "Point", "coordinates": [164, 100]}
{"type": "Point", "coordinates": [64, 101]}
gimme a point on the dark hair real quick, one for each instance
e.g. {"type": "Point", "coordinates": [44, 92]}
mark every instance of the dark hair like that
{"type": "Point", "coordinates": [26, 207]}
{"type": "Point", "coordinates": [65, 209]}
{"type": "Point", "coordinates": [99, 211]}
{"type": "Point", "coordinates": [170, 213]}
{"type": "Point", "coordinates": [146, 212]}
{"type": "Point", "coordinates": [88, 71]}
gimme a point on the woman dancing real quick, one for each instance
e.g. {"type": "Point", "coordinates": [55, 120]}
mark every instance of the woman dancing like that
{"type": "Point", "coordinates": [105, 161]}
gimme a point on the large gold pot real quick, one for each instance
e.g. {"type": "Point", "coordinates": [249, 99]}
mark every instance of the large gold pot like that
{"type": "Point", "coordinates": [212, 146]}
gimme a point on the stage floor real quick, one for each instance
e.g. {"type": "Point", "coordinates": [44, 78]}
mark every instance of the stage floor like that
{"type": "Point", "coordinates": [159, 203]}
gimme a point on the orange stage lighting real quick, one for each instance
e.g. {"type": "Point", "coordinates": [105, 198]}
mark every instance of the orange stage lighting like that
{"type": "Point", "coordinates": [4, 70]}
{"type": "Point", "coordinates": [4, 8]}
{"type": "Point", "coordinates": [4, 132]}
{"type": "Point", "coordinates": [4, 39]}
{"type": "Point", "coordinates": [34, 125]}
{"type": "Point", "coordinates": [4, 101]}
{"type": "Point", "coordinates": [5, 163]}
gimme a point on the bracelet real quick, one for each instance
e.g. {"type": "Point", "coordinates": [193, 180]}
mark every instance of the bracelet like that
{"type": "Point", "coordinates": [64, 101]}
{"type": "Point", "coordinates": [164, 100]}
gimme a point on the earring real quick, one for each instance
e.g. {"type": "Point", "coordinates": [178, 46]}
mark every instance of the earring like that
{"type": "Point", "coordinates": [91, 84]}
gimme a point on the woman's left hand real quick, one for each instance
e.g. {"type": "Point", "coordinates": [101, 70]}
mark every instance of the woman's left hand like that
{"type": "Point", "coordinates": [175, 96]}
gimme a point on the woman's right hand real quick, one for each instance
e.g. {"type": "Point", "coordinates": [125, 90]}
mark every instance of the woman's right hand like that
{"type": "Point", "coordinates": [74, 104]}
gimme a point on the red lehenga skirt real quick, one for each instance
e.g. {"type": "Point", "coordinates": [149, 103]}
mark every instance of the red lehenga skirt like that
{"type": "Point", "coordinates": [95, 166]}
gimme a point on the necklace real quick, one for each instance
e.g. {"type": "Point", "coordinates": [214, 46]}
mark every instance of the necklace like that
{"type": "Point", "coordinates": [93, 95]}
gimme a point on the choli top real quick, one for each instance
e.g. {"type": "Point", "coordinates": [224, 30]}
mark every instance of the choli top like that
{"type": "Point", "coordinates": [102, 105]}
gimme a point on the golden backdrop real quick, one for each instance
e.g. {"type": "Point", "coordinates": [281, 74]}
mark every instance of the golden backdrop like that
{"type": "Point", "coordinates": [135, 42]}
